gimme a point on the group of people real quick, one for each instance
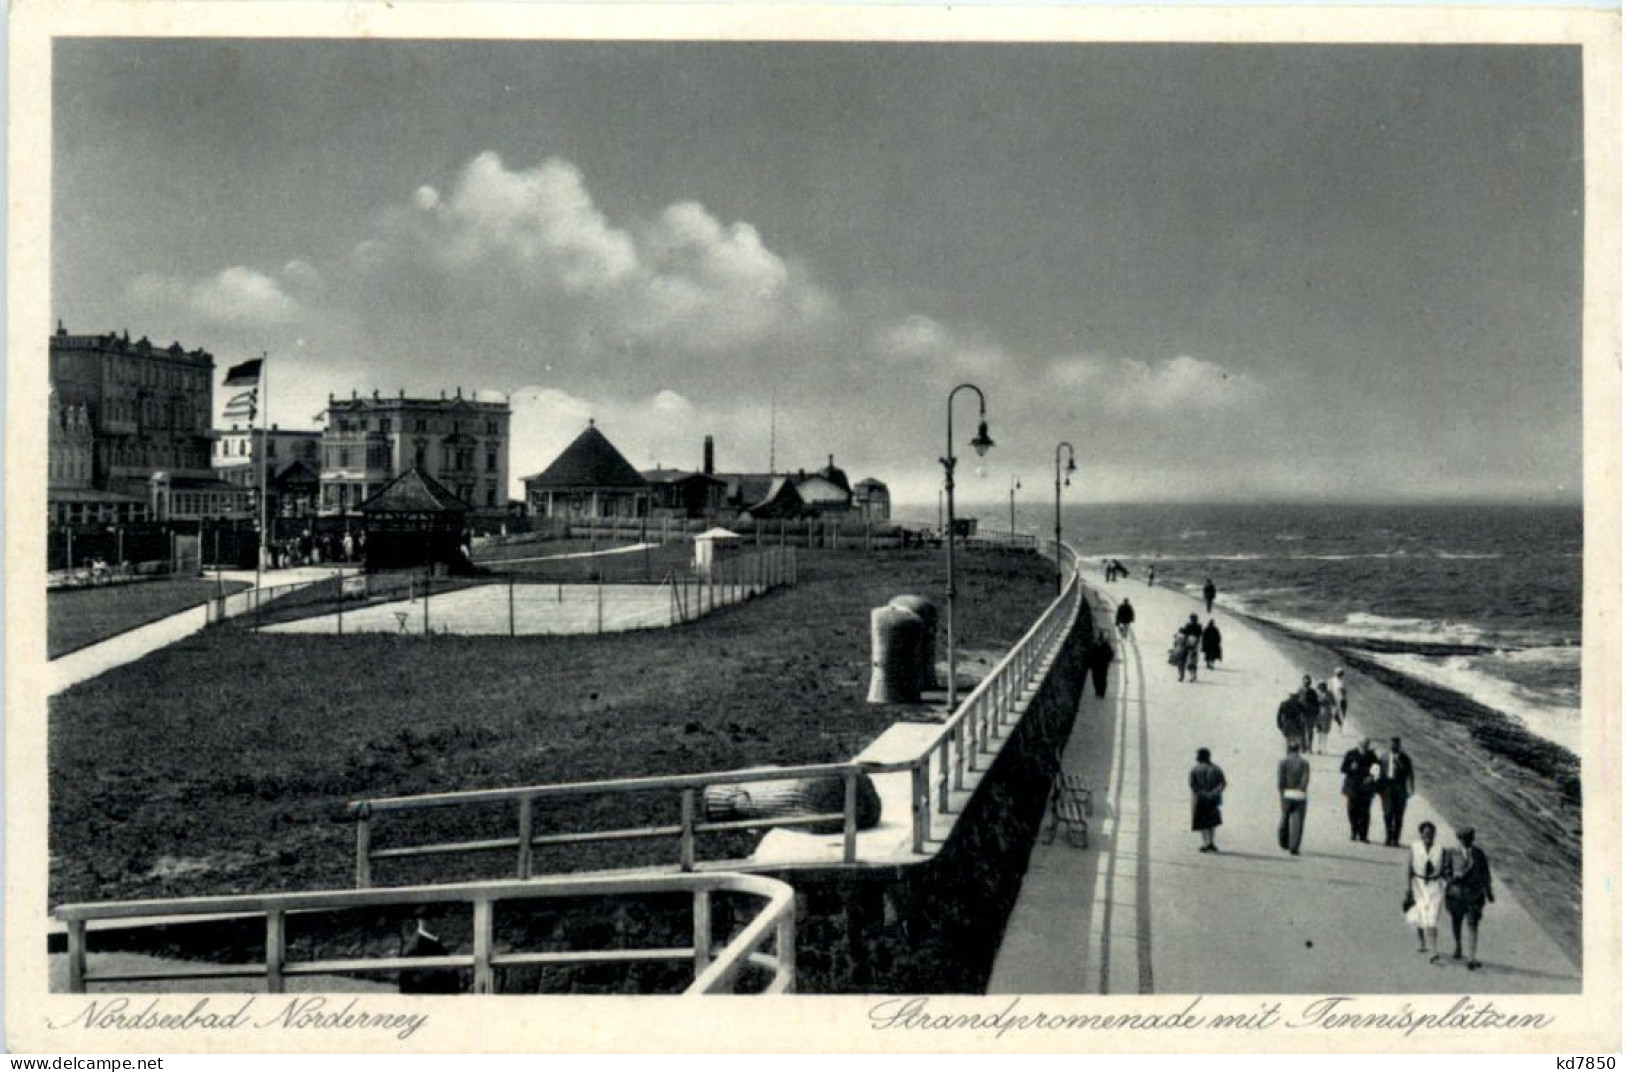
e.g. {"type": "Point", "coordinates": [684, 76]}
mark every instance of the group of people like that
{"type": "Point", "coordinates": [312, 549]}
{"type": "Point", "coordinates": [1308, 714]}
{"type": "Point", "coordinates": [1194, 643]}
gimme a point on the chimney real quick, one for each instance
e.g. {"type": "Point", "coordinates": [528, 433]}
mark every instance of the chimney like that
{"type": "Point", "coordinates": [832, 461]}
{"type": "Point", "coordinates": [710, 456]}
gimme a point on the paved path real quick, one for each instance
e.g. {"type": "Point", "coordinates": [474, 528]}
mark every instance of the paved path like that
{"type": "Point", "coordinates": [1141, 911]}
{"type": "Point", "coordinates": [127, 647]}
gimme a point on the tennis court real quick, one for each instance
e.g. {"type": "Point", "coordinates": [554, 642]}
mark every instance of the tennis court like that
{"type": "Point", "coordinates": [499, 609]}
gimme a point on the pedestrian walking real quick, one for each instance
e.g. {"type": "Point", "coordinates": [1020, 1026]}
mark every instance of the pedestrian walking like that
{"type": "Point", "coordinates": [1289, 720]}
{"type": "Point", "coordinates": [1150, 576]}
{"type": "Point", "coordinates": [349, 546]}
{"type": "Point", "coordinates": [1324, 709]}
{"type": "Point", "coordinates": [1212, 644]}
{"type": "Point", "coordinates": [1100, 662]}
{"type": "Point", "coordinates": [1340, 695]}
{"type": "Point", "coordinates": [1309, 700]}
{"type": "Point", "coordinates": [1359, 770]}
{"type": "Point", "coordinates": [1424, 889]}
{"type": "Point", "coordinates": [1207, 797]}
{"type": "Point", "coordinates": [1467, 890]}
{"type": "Point", "coordinates": [1292, 782]}
{"type": "Point", "coordinates": [1125, 618]}
{"type": "Point", "coordinates": [1188, 643]}
{"type": "Point", "coordinates": [1396, 783]}
{"type": "Point", "coordinates": [1208, 593]}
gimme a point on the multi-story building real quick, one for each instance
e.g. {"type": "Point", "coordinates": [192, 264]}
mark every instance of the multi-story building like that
{"type": "Point", "coordinates": [460, 442]}
{"type": "Point", "coordinates": [150, 407]}
{"type": "Point", "coordinates": [288, 460]}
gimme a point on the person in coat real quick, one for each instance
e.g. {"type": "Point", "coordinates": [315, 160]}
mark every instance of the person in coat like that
{"type": "Point", "coordinates": [1189, 643]}
{"type": "Point", "coordinates": [1324, 710]}
{"type": "Point", "coordinates": [1207, 796]}
{"type": "Point", "coordinates": [1289, 720]}
{"type": "Point", "coordinates": [1100, 662]}
{"type": "Point", "coordinates": [1359, 771]}
{"type": "Point", "coordinates": [1125, 618]}
{"type": "Point", "coordinates": [1209, 593]}
{"type": "Point", "coordinates": [425, 943]}
{"type": "Point", "coordinates": [1396, 784]}
{"type": "Point", "coordinates": [1467, 890]}
{"type": "Point", "coordinates": [1212, 644]}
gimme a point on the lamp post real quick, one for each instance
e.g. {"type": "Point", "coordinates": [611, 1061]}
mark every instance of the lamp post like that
{"type": "Point", "coordinates": [1071, 467]}
{"type": "Point", "coordinates": [1015, 486]}
{"type": "Point", "coordinates": [980, 444]}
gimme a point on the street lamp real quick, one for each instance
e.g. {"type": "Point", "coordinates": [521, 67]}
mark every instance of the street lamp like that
{"type": "Point", "coordinates": [1071, 467]}
{"type": "Point", "coordinates": [980, 444]}
{"type": "Point", "coordinates": [1015, 486]}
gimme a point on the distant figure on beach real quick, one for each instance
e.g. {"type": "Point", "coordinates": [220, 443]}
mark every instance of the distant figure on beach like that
{"type": "Point", "coordinates": [1359, 771]}
{"type": "Point", "coordinates": [1106, 569]}
{"type": "Point", "coordinates": [1150, 576]}
{"type": "Point", "coordinates": [1466, 891]}
{"type": "Point", "coordinates": [1290, 721]}
{"type": "Point", "coordinates": [1118, 569]}
{"type": "Point", "coordinates": [424, 943]}
{"type": "Point", "coordinates": [1100, 662]}
{"type": "Point", "coordinates": [1212, 644]}
{"type": "Point", "coordinates": [1125, 618]}
{"type": "Point", "coordinates": [1340, 695]}
{"type": "Point", "coordinates": [1309, 700]}
{"type": "Point", "coordinates": [1188, 645]}
{"type": "Point", "coordinates": [1396, 782]}
{"type": "Point", "coordinates": [1292, 782]}
{"type": "Point", "coordinates": [1424, 889]}
{"type": "Point", "coordinates": [1208, 592]}
{"type": "Point", "coordinates": [1324, 709]}
{"type": "Point", "coordinates": [1207, 795]}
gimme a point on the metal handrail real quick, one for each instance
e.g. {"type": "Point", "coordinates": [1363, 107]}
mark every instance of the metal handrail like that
{"type": "Point", "coordinates": [963, 737]}
{"type": "Point", "coordinates": [715, 970]}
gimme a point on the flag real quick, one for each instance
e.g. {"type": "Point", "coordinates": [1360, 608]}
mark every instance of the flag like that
{"type": "Point", "coordinates": [243, 406]}
{"type": "Point", "coordinates": [245, 375]}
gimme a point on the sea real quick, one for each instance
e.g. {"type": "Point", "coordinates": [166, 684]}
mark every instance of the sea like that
{"type": "Point", "coordinates": [1484, 601]}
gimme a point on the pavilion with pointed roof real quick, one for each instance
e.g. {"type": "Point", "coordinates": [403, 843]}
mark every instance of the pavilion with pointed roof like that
{"type": "Point", "coordinates": [590, 479]}
{"type": "Point", "coordinates": [414, 521]}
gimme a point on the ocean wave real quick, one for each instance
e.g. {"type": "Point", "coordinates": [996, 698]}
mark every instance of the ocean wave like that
{"type": "Point", "coordinates": [1464, 674]}
{"type": "Point", "coordinates": [1469, 555]}
{"type": "Point", "coordinates": [1565, 656]}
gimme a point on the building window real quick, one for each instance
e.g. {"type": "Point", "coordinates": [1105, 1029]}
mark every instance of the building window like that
{"type": "Point", "coordinates": [422, 425]}
{"type": "Point", "coordinates": [385, 425]}
{"type": "Point", "coordinates": [270, 448]}
{"type": "Point", "coordinates": [490, 495]}
{"type": "Point", "coordinates": [490, 461]}
{"type": "Point", "coordinates": [491, 428]}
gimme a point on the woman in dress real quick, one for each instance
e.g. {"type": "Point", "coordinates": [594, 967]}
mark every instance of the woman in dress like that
{"type": "Point", "coordinates": [1424, 889]}
{"type": "Point", "coordinates": [1207, 794]}
{"type": "Point", "coordinates": [1323, 717]}
{"type": "Point", "coordinates": [1212, 644]}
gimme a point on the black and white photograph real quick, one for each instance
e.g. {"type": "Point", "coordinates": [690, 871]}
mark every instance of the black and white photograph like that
{"type": "Point", "coordinates": [1017, 539]}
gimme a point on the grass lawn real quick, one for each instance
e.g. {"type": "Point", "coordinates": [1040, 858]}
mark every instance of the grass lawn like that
{"type": "Point", "coordinates": [224, 762]}
{"type": "Point", "coordinates": [76, 617]}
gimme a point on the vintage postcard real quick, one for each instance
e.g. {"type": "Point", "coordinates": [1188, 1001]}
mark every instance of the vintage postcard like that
{"type": "Point", "coordinates": [1030, 529]}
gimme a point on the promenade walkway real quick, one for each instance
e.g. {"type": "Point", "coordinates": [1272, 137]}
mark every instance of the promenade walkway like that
{"type": "Point", "coordinates": [95, 659]}
{"type": "Point", "coordinates": [1142, 911]}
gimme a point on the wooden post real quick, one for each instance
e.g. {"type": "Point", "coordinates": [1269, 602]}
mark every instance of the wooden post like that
{"type": "Point", "coordinates": [526, 824]}
{"type": "Point", "coordinates": [942, 775]}
{"type": "Point", "coordinates": [849, 820]}
{"type": "Point", "coordinates": [920, 800]}
{"type": "Point", "coordinates": [600, 591]}
{"type": "Point", "coordinates": [484, 978]}
{"type": "Point", "coordinates": [702, 931]}
{"type": "Point", "coordinates": [363, 849]}
{"type": "Point", "coordinates": [275, 951]}
{"type": "Point", "coordinates": [512, 628]}
{"type": "Point", "coordinates": [688, 830]}
{"type": "Point", "coordinates": [426, 586]}
{"type": "Point", "coordinates": [67, 531]}
{"type": "Point", "coordinates": [76, 956]}
{"type": "Point", "coordinates": [340, 578]}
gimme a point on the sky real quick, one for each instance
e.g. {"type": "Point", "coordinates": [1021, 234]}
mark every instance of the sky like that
{"type": "Point", "coordinates": [1220, 272]}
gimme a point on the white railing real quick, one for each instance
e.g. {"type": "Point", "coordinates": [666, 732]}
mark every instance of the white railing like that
{"type": "Point", "coordinates": [954, 751]}
{"type": "Point", "coordinates": [716, 968]}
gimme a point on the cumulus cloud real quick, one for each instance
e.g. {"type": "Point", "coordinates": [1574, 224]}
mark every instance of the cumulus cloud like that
{"type": "Point", "coordinates": [236, 296]}
{"type": "Point", "coordinates": [921, 340]}
{"type": "Point", "coordinates": [1179, 384]}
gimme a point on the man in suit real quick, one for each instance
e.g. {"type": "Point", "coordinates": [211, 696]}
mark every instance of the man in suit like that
{"type": "Point", "coordinates": [1292, 782]}
{"type": "Point", "coordinates": [425, 943]}
{"type": "Point", "coordinates": [1357, 786]}
{"type": "Point", "coordinates": [1396, 784]}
